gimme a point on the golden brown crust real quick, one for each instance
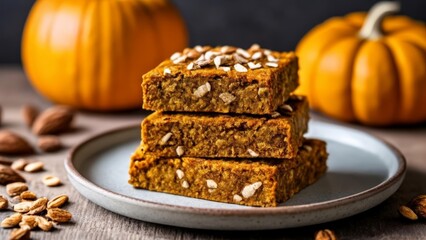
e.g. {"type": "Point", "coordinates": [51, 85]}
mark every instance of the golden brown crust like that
{"type": "Point", "coordinates": [223, 135]}
{"type": "Point", "coordinates": [264, 183]}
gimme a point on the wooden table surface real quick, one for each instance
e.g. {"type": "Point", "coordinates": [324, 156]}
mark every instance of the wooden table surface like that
{"type": "Point", "coordinates": [93, 222]}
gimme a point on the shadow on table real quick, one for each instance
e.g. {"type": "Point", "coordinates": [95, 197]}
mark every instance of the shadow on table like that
{"type": "Point", "coordinates": [377, 222]}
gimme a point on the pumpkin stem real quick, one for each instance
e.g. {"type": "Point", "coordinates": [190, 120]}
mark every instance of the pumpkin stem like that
{"type": "Point", "coordinates": [372, 25]}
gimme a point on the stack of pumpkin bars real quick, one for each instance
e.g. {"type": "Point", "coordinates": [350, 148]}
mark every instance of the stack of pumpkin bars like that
{"type": "Point", "coordinates": [227, 128]}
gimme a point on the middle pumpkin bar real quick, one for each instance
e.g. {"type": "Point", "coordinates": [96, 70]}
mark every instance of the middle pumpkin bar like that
{"type": "Point", "coordinates": [223, 135]}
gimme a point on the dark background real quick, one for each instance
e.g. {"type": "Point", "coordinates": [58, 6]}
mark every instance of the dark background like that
{"type": "Point", "coordinates": [272, 23]}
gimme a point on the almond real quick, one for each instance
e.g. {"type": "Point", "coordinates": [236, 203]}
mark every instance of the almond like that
{"type": "Point", "coordinates": [16, 188]}
{"type": "Point", "coordinates": [12, 143]}
{"type": "Point", "coordinates": [22, 207]}
{"type": "Point", "coordinates": [20, 164]}
{"type": "Point", "coordinates": [38, 206]}
{"type": "Point", "coordinates": [49, 143]}
{"type": "Point", "coordinates": [51, 181]}
{"type": "Point", "coordinates": [20, 233]}
{"type": "Point", "coordinates": [54, 120]}
{"type": "Point", "coordinates": [8, 175]}
{"type": "Point", "coordinates": [34, 167]}
{"type": "Point", "coordinates": [57, 201]}
{"type": "Point", "coordinates": [58, 215]}
{"type": "Point", "coordinates": [28, 196]}
{"type": "Point", "coordinates": [28, 222]}
{"type": "Point", "coordinates": [43, 223]}
{"type": "Point", "coordinates": [11, 221]}
{"type": "Point", "coordinates": [29, 114]}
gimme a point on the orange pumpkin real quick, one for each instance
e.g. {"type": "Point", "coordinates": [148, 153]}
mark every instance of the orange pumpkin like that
{"type": "Point", "coordinates": [366, 68]}
{"type": "Point", "coordinates": [91, 54]}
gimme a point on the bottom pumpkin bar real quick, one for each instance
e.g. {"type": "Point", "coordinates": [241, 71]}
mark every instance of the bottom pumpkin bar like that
{"type": "Point", "coordinates": [264, 183]}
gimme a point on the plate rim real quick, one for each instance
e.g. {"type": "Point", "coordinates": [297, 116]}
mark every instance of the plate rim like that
{"type": "Point", "coordinates": [254, 211]}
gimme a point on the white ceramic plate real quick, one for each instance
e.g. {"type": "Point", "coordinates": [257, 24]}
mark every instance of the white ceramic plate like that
{"type": "Point", "coordinates": [363, 172]}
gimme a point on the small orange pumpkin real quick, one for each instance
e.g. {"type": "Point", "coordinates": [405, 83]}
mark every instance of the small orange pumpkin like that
{"type": "Point", "coordinates": [366, 68]}
{"type": "Point", "coordinates": [91, 54]}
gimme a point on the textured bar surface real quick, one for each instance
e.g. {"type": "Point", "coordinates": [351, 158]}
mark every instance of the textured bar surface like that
{"type": "Point", "coordinates": [222, 135]}
{"type": "Point", "coordinates": [264, 183]}
{"type": "Point", "coordinates": [172, 87]}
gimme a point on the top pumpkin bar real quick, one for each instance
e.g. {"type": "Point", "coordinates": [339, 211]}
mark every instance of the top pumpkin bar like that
{"type": "Point", "coordinates": [222, 79]}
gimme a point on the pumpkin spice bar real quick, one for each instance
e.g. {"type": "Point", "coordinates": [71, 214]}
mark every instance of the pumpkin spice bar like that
{"type": "Point", "coordinates": [224, 135]}
{"type": "Point", "coordinates": [222, 79]}
{"type": "Point", "coordinates": [264, 183]}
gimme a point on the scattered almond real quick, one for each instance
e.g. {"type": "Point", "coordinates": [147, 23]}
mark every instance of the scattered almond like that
{"type": "Point", "coordinates": [325, 234]}
{"type": "Point", "coordinates": [28, 213]}
{"type": "Point", "coordinates": [19, 164]}
{"type": "Point", "coordinates": [29, 114]}
{"type": "Point", "coordinates": [58, 215]}
{"type": "Point", "coordinates": [22, 207]}
{"type": "Point", "coordinates": [49, 143]}
{"type": "Point", "coordinates": [16, 188]}
{"type": "Point", "coordinates": [11, 221]}
{"type": "Point", "coordinates": [34, 167]}
{"type": "Point", "coordinates": [38, 206]}
{"type": "Point", "coordinates": [51, 181]}
{"type": "Point", "coordinates": [20, 233]}
{"type": "Point", "coordinates": [28, 222]}
{"type": "Point", "coordinates": [57, 201]}
{"type": "Point", "coordinates": [54, 120]}
{"type": "Point", "coordinates": [3, 203]}
{"type": "Point", "coordinates": [8, 175]}
{"type": "Point", "coordinates": [28, 196]}
{"type": "Point", "coordinates": [43, 223]}
{"type": "Point", "coordinates": [12, 143]}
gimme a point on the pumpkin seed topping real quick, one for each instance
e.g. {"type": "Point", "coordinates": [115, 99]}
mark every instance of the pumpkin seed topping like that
{"type": "Point", "coordinates": [225, 58]}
